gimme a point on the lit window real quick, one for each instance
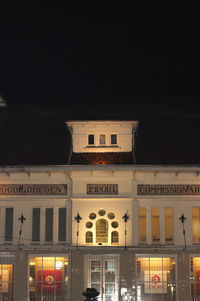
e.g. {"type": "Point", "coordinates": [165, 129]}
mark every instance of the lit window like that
{"type": "Point", "coordinates": [48, 278]}
{"type": "Point", "coordinates": [113, 139]}
{"type": "Point", "coordinates": [114, 237]}
{"type": "Point", "coordinates": [196, 224]}
{"type": "Point", "coordinates": [155, 225]}
{"type": "Point", "coordinates": [195, 278]}
{"type": "Point", "coordinates": [156, 277]}
{"type": "Point", "coordinates": [168, 225]}
{"type": "Point", "coordinates": [91, 139]}
{"type": "Point", "coordinates": [102, 139]}
{"type": "Point", "coordinates": [6, 277]}
{"type": "Point", "coordinates": [89, 237]}
{"type": "Point", "coordinates": [102, 231]}
{"type": "Point", "coordinates": [142, 225]}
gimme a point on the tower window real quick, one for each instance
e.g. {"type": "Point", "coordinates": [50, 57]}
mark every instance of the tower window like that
{"type": "Point", "coordinates": [90, 139]}
{"type": "Point", "coordinates": [102, 139]}
{"type": "Point", "coordinates": [113, 139]}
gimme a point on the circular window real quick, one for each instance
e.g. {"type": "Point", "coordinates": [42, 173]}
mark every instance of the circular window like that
{"type": "Point", "coordinates": [111, 215]}
{"type": "Point", "coordinates": [115, 224]}
{"type": "Point", "coordinates": [102, 212]}
{"type": "Point", "coordinates": [89, 225]}
{"type": "Point", "coordinates": [92, 215]}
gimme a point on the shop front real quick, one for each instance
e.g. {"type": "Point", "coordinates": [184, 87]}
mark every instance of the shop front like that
{"type": "Point", "coordinates": [6, 277]}
{"type": "Point", "coordinates": [48, 278]}
{"type": "Point", "coordinates": [156, 278]}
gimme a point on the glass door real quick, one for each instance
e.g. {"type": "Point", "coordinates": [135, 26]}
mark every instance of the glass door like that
{"type": "Point", "coordinates": [103, 274]}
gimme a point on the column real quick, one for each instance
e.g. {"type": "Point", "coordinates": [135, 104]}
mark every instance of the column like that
{"type": "Point", "coordinates": [21, 276]}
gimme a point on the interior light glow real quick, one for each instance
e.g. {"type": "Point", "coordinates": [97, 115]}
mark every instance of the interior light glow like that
{"type": "Point", "coordinates": [59, 265]}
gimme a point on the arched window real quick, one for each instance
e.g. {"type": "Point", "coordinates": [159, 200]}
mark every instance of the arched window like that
{"type": "Point", "coordinates": [102, 231]}
{"type": "Point", "coordinates": [89, 237]}
{"type": "Point", "coordinates": [114, 237]}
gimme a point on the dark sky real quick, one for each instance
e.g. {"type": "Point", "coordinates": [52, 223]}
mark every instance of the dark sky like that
{"type": "Point", "coordinates": [133, 58]}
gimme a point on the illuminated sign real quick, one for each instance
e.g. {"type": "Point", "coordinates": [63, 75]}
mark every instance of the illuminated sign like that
{"type": "Point", "coordinates": [49, 280]}
{"type": "Point", "coordinates": [35, 189]}
{"type": "Point", "coordinates": [102, 188]}
{"type": "Point", "coordinates": [155, 282]}
{"type": "Point", "coordinates": [180, 189]}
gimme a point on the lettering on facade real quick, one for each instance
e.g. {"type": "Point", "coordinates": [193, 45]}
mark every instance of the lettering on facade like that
{"type": "Point", "coordinates": [180, 189]}
{"type": "Point", "coordinates": [102, 188]}
{"type": "Point", "coordinates": [35, 189]}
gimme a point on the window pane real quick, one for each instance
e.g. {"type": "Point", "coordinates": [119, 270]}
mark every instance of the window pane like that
{"type": "Point", "coordinates": [195, 224]}
{"type": "Point", "coordinates": [49, 225]}
{"type": "Point", "coordinates": [168, 225]}
{"type": "Point", "coordinates": [89, 237]}
{"type": "Point", "coordinates": [9, 224]}
{"type": "Point", "coordinates": [102, 139]}
{"type": "Point", "coordinates": [62, 224]}
{"type": "Point", "coordinates": [142, 225]}
{"type": "Point", "coordinates": [102, 231]}
{"type": "Point", "coordinates": [155, 225]}
{"type": "Point", "coordinates": [90, 139]}
{"type": "Point", "coordinates": [36, 225]}
{"type": "Point", "coordinates": [113, 139]}
{"type": "Point", "coordinates": [114, 237]}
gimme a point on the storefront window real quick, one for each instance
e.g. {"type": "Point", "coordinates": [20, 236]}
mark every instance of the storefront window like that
{"type": "Point", "coordinates": [156, 279]}
{"type": "Point", "coordinates": [6, 278]}
{"type": "Point", "coordinates": [195, 278]}
{"type": "Point", "coordinates": [48, 278]}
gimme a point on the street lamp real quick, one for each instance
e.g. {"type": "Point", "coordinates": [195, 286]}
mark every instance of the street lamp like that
{"type": "Point", "coordinates": [182, 218]}
{"type": "Point", "coordinates": [125, 218]}
{"type": "Point", "coordinates": [21, 219]}
{"type": "Point", "coordinates": [77, 218]}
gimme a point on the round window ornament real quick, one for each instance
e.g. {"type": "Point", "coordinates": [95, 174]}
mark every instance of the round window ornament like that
{"type": "Point", "coordinates": [115, 224]}
{"type": "Point", "coordinates": [92, 215]}
{"type": "Point", "coordinates": [102, 212]}
{"type": "Point", "coordinates": [111, 215]}
{"type": "Point", "coordinates": [89, 225]}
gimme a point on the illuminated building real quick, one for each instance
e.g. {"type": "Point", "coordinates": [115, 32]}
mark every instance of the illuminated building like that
{"type": "Point", "coordinates": [100, 221]}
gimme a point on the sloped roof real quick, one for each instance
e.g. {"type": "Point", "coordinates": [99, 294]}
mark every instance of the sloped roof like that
{"type": "Point", "coordinates": [101, 158]}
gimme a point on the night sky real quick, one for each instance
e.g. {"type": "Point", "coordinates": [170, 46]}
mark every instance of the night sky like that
{"type": "Point", "coordinates": [149, 62]}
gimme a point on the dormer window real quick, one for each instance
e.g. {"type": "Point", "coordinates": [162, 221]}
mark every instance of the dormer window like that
{"type": "Point", "coordinates": [113, 139]}
{"type": "Point", "coordinates": [91, 139]}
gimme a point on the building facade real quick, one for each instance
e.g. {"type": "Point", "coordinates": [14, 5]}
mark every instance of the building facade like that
{"type": "Point", "coordinates": [101, 221]}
